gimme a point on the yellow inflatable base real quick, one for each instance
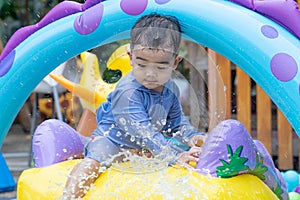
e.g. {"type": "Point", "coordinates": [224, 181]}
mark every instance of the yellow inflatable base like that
{"type": "Point", "coordinates": [168, 183]}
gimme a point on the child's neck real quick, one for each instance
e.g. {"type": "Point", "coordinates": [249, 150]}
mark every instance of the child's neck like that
{"type": "Point", "coordinates": [159, 89]}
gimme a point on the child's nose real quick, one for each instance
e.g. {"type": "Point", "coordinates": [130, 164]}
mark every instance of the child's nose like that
{"type": "Point", "coordinates": [151, 72]}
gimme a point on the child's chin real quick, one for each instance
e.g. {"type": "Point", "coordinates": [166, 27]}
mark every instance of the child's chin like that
{"type": "Point", "coordinates": [153, 87]}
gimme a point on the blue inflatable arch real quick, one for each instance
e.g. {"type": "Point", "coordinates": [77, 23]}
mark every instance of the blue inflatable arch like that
{"type": "Point", "coordinates": [266, 51]}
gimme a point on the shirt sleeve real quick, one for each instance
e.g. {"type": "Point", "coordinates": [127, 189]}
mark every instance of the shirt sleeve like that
{"type": "Point", "coordinates": [186, 131]}
{"type": "Point", "coordinates": [174, 117]}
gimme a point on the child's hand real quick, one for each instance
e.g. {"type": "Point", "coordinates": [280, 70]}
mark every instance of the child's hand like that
{"type": "Point", "coordinates": [191, 155]}
{"type": "Point", "coordinates": [197, 140]}
{"type": "Point", "coordinates": [143, 152]}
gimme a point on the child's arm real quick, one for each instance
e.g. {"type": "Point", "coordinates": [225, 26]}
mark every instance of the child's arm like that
{"type": "Point", "coordinates": [188, 134]}
{"type": "Point", "coordinates": [181, 127]}
{"type": "Point", "coordinates": [81, 178]}
{"type": "Point", "coordinates": [131, 116]}
{"type": "Point", "coordinates": [191, 155]}
{"type": "Point", "coordinates": [197, 140]}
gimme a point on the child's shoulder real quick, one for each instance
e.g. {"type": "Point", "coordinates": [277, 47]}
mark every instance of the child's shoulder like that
{"type": "Point", "coordinates": [128, 82]}
{"type": "Point", "coordinates": [173, 87]}
{"type": "Point", "coordinates": [127, 85]}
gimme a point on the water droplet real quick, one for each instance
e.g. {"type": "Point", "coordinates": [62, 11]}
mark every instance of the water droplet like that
{"type": "Point", "coordinates": [118, 134]}
{"type": "Point", "coordinates": [122, 121]}
{"type": "Point", "coordinates": [132, 138]}
{"type": "Point", "coordinates": [106, 133]}
{"type": "Point", "coordinates": [158, 123]}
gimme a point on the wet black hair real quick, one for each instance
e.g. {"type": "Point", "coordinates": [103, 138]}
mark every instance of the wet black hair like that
{"type": "Point", "coordinates": [156, 31]}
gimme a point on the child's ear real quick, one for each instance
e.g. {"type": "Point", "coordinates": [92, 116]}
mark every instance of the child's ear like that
{"type": "Point", "coordinates": [130, 56]}
{"type": "Point", "coordinates": [177, 61]}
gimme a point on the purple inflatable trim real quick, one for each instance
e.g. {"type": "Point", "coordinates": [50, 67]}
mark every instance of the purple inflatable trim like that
{"type": "Point", "coordinates": [7, 63]}
{"type": "Point", "coordinates": [283, 12]}
{"type": "Point", "coordinates": [61, 10]}
{"type": "Point", "coordinates": [229, 151]}
{"type": "Point", "coordinates": [89, 20]}
{"type": "Point", "coordinates": [133, 7]}
{"type": "Point", "coordinates": [55, 141]}
{"type": "Point", "coordinates": [215, 147]}
{"type": "Point", "coordinates": [288, 72]}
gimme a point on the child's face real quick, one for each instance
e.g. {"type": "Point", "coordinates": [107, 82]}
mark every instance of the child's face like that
{"type": "Point", "coordinates": [153, 68]}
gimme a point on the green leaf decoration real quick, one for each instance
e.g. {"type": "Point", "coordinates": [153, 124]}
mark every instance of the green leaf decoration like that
{"type": "Point", "coordinates": [111, 76]}
{"type": "Point", "coordinates": [235, 165]}
{"type": "Point", "coordinates": [278, 191]}
{"type": "Point", "coordinates": [259, 169]}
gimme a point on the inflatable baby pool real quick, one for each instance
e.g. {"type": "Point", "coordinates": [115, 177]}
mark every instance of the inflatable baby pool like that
{"type": "Point", "coordinates": [168, 183]}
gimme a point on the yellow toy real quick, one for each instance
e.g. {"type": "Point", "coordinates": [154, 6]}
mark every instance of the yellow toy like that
{"type": "Point", "coordinates": [92, 89]}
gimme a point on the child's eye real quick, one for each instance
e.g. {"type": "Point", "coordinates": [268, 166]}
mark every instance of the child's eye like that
{"type": "Point", "coordinates": [161, 68]}
{"type": "Point", "coordinates": [141, 65]}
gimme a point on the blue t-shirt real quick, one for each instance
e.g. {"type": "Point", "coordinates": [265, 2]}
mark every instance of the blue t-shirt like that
{"type": "Point", "coordinates": [137, 117]}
